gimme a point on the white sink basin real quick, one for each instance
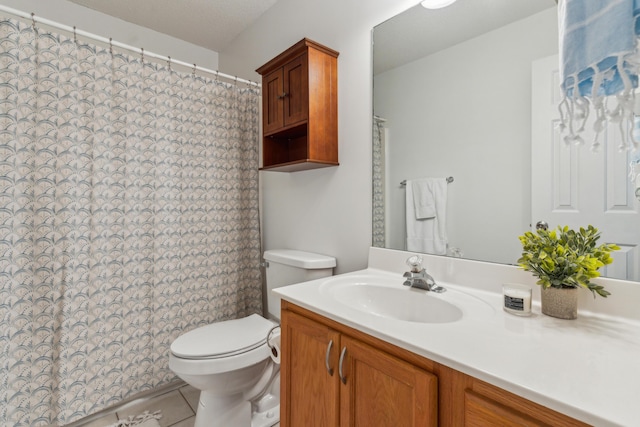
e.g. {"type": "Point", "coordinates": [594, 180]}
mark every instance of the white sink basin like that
{"type": "Point", "coordinates": [384, 297]}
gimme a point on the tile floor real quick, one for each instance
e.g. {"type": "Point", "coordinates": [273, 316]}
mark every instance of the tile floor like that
{"type": "Point", "coordinates": [178, 409]}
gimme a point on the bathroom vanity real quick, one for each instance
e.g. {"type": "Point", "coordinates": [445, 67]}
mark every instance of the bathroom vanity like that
{"type": "Point", "coordinates": [356, 353]}
{"type": "Point", "coordinates": [376, 381]}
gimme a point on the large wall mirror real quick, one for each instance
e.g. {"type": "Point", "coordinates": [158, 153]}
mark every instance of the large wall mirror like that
{"type": "Point", "coordinates": [469, 92]}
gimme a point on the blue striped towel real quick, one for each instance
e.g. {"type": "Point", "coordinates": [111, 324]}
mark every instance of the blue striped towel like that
{"type": "Point", "coordinates": [598, 58]}
{"type": "Point", "coordinates": [595, 34]}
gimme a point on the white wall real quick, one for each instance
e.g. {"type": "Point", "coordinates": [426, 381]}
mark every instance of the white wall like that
{"type": "Point", "coordinates": [325, 210]}
{"type": "Point", "coordinates": [466, 112]}
{"type": "Point", "coordinates": [71, 14]}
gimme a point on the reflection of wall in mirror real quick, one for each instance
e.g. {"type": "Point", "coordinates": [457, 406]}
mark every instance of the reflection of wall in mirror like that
{"type": "Point", "coordinates": [483, 140]}
{"type": "Point", "coordinates": [635, 158]}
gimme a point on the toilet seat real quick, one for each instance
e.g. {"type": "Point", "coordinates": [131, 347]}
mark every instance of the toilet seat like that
{"type": "Point", "coordinates": [222, 346]}
{"type": "Point", "coordinates": [223, 339]}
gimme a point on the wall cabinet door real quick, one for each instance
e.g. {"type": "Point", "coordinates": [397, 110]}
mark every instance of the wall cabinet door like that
{"type": "Point", "coordinates": [379, 390]}
{"type": "Point", "coordinates": [296, 91]}
{"type": "Point", "coordinates": [285, 94]}
{"type": "Point", "coordinates": [272, 100]}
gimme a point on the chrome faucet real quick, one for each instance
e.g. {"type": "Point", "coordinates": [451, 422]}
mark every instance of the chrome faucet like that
{"type": "Point", "coordinates": [419, 278]}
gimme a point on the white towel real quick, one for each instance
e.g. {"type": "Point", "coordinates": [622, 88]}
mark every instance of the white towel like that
{"type": "Point", "coordinates": [428, 234]}
{"type": "Point", "coordinates": [424, 199]}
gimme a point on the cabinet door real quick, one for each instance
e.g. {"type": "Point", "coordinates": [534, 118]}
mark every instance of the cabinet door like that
{"type": "Point", "coordinates": [379, 390]}
{"type": "Point", "coordinates": [296, 84]}
{"type": "Point", "coordinates": [480, 412]}
{"type": "Point", "coordinates": [310, 392]}
{"type": "Point", "coordinates": [272, 101]}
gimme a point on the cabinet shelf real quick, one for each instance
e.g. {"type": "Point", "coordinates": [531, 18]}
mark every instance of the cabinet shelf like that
{"type": "Point", "coordinates": [297, 165]}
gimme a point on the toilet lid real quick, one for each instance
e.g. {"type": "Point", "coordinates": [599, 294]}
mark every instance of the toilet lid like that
{"type": "Point", "coordinates": [223, 339]}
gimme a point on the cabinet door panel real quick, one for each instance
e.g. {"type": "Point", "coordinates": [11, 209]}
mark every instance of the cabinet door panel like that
{"type": "Point", "coordinates": [272, 101]}
{"type": "Point", "coordinates": [481, 412]}
{"type": "Point", "coordinates": [383, 391]}
{"type": "Point", "coordinates": [310, 394]}
{"type": "Point", "coordinates": [296, 83]}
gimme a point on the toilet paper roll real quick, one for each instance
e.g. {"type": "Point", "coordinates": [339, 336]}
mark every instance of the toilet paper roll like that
{"type": "Point", "coordinates": [274, 345]}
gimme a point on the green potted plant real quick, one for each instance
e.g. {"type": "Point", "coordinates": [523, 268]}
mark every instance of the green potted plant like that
{"type": "Point", "coordinates": [564, 260]}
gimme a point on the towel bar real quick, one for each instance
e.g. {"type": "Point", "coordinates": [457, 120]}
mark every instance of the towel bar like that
{"type": "Point", "coordinates": [449, 181]}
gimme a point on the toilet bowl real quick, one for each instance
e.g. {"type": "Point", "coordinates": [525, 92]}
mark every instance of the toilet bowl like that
{"type": "Point", "coordinates": [232, 363]}
{"type": "Point", "coordinates": [225, 361]}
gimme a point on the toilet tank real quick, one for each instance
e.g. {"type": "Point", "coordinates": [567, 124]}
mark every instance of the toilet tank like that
{"type": "Point", "coordinates": [288, 266]}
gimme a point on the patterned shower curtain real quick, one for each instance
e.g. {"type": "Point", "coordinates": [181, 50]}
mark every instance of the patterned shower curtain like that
{"type": "Point", "coordinates": [128, 215]}
{"type": "Point", "coordinates": [378, 184]}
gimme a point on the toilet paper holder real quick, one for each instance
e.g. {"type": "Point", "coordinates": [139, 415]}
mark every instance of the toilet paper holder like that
{"type": "Point", "coordinates": [275, 350]}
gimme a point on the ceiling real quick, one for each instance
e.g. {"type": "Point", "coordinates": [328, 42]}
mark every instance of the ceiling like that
{"type": "Point", "coordinates": [212, 24]}
{"type": "Point", "coordinates": [419, 32]}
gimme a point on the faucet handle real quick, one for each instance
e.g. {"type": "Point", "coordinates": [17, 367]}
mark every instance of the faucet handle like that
{"type": "Point", "coordinates": [415, 262]}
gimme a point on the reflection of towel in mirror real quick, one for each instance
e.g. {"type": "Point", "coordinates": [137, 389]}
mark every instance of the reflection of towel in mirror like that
{"type": "Point", "coordinates": [424, 198]}
{"type": "Point", "coordinates": [426, 203]}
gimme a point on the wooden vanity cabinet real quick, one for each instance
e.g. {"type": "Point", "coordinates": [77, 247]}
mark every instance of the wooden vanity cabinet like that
{"type": "Point", "coordinates": [310, 393]}
{"type": "Point", "coordinates": [330, 379]}
{"type": "Point", "coordinates": [300, 108]}
{"type": "Point", "coordinates": [382, 390]}
{"type": "Point", "coordinates": [384, 385]}
{"type": "Point", "coordinates": [470, 402]}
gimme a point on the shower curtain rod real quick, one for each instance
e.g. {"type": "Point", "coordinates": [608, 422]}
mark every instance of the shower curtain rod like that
{"type": "Point", "coordinates": [111, 42]}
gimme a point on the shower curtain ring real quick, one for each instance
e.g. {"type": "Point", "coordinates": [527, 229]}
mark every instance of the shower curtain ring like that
{"type": "Point", "coordinates": [169, 62]}
{"type": "Point", "coordinates": [193, 71]}
{"type": "Point", "coordinates": [75, 36]}
{"type": "Point", "coordinates": [33, 21]}
{"type": "Point", "coordinates": [142, 54]}
{"type": "Point", "coordinates": [111, 45]}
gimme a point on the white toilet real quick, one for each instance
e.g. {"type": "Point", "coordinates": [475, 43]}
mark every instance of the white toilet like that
{"type": "Point", "coordinates": [231, 362]}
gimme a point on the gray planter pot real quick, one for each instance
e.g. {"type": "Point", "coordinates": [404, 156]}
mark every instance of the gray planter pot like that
{"type": "Point", "coordinates": [560, 302]}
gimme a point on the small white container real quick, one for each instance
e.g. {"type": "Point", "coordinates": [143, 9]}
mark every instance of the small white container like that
{"type": "Point", "coordinates": [517, 299]}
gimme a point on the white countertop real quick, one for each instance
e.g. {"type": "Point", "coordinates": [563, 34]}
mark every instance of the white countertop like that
{"type": "Point", "coordinates": [587, 368]}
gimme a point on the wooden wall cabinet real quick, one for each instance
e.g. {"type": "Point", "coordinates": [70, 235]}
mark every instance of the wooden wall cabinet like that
{"type": "Point", "coordinates": [335, 376]}
{"type": "Point", "coordinates": [300, 108]}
